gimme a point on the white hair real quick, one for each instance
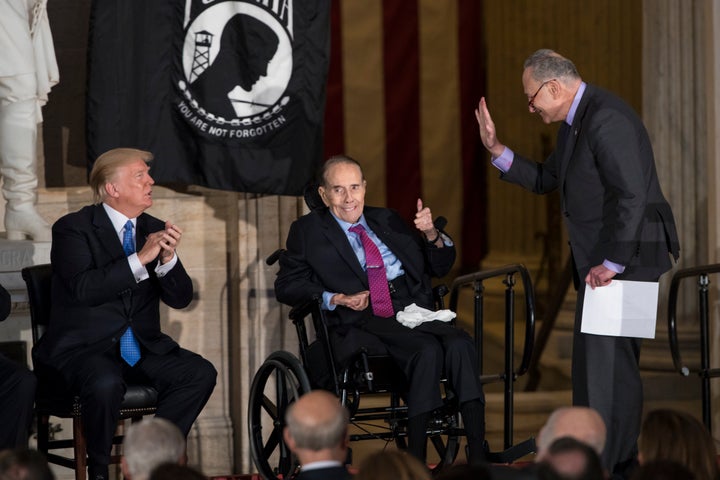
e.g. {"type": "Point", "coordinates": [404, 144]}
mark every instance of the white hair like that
{"type": "Point", "coordinates": [150, 443]}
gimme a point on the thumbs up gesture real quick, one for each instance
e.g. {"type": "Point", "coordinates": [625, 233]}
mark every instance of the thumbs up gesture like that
{"type": "Point", "coordinates": [423, 221]}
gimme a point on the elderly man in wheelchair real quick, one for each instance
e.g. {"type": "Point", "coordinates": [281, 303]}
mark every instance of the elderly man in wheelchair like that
{"type": "Point", "coordinates": [366, 265]}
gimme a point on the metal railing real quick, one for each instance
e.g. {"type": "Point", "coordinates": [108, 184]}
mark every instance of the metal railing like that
{"type": "Point", "coordinates": [702, 273]}
{"type": "Point", "coordinates": [509, 374]}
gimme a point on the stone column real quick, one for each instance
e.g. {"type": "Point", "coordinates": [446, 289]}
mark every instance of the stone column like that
{"type": "Point", "coordinates": [207, 221]}
{"type": "Point", "coordinates": [259, 325]}
{"type": "Point", "coordinates": [712, 76]}
{"type": "Point", "coordinates": [680, 111]}
{"type": "Point", "coordinates": [235, 321]}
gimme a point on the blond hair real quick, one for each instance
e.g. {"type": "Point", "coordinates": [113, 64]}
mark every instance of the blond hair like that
{"type": "Point", "coordinates": [108, 163]}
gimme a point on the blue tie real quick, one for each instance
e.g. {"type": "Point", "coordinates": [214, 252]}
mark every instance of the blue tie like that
{"type": "Point", "coordinates": [129, 348]}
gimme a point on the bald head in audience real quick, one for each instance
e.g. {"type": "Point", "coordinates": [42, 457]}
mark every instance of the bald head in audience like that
{"type": "Point", "coordinates": [572, 459]}
{"type": "Point", "coordinates": [581, 423]}
{"type": "Point", "coordinates": [317, 428]}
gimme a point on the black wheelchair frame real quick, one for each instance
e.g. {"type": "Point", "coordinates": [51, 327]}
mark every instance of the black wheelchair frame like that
{"type": "Point", "coordinates": [283, 378]}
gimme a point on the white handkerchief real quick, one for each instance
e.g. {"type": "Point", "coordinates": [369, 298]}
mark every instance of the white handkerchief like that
{"type": "Point", "coordinates": [412, 315]}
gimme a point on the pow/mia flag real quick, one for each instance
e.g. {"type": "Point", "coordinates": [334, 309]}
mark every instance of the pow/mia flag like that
{"type": "Point", "coordinates": [227, 94]}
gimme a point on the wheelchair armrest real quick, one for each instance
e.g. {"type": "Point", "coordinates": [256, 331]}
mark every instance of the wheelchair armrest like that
{"type": "Point", "coordinates": [299, 312]}
{"type": "Point", "coordinates": [274, 257]}
{"type": "Point", "coordinates": [439, 292]}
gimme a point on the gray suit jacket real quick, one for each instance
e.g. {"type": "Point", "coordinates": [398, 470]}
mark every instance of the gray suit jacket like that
{"type": "Point", "coordinates": [611, 199]}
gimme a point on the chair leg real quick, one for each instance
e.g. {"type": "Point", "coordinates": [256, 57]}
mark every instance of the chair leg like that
{"type": "Point", "coordinates": [80, 447]}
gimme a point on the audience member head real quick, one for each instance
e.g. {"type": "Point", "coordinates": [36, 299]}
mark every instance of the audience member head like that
{"type": "Point", "coordinates": [528, 471]}
{"type": "Point", "coordinates": [173, 471]}
{"type": "Point", "coordinates": [581, 423]}
{"type": "Point", "coordinates": [107, 165]}
{"type": "Point", "coordinates": [150, 443]}
{"type": "Point", "coordinates": [574, 460]}
{"type": "Point", "coordinates": [674, 435]}
{"type": "Point", "coordinates": [392, 465]}
{"type": "Point", "coordinates": [23, 464]}
{"type": "Point", "coordinates": [464, 471]}
{"type": "Point", "coordinates": [662, 470]}
{"type": "Point", "coordinates": [317, 428]}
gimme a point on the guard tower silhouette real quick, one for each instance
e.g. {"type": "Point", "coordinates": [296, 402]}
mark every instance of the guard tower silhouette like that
{"type": "Point", "coordinates": [201, 55]}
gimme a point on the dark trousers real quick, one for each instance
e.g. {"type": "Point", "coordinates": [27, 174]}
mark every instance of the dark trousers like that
{"type": "Point", "coordinates": [17, 395]}
{"type": "Point", "coordinates": [421, 353]}
{"type": "Point", "coordinates": [184, 381]}
{"type": "Point", "coordinates": [606, 377]}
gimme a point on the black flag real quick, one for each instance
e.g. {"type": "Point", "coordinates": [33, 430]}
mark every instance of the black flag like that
{"type": "Point", "coordinates": [227, 94]}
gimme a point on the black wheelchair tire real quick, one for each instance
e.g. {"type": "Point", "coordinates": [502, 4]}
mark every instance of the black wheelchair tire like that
{"type": "Point", "coordinates": [290, 381]}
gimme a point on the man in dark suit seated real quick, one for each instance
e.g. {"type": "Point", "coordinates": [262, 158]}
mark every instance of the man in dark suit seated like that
{"type": "Point", "coordinates": [368, 264]}
{"type": "Point", "coordinates": [17, 393]}
{"type": "Point", "coordinates": [107, 285]}
{"type": "Point", "coordinates": [317, 433]}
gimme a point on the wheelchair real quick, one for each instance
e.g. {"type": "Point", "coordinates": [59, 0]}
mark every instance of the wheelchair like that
{"type": "Point", "coordinates": [283, 378]}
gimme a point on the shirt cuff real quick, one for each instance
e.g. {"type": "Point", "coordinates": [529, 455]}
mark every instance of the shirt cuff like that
{"type": "Point", "coordinates": [327, 296]}
{"type": "Point", "coordinates": [138, 269]}
{"type": "Point", "coordinates": [615, 267]}
{"type": "Point", "coordinates": [446, 240]}
{"type": "Point", "coordinates": [162, 269]}
{"type": "Point", "coordinates": [504, 161]}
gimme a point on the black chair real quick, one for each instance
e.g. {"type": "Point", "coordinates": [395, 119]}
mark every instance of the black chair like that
{"type": "Point", "coordinates": [53, 401]}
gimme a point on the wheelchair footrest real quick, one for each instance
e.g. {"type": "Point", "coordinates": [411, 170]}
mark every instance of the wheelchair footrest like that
{"type": "Point", "coordinates": [512, 453]}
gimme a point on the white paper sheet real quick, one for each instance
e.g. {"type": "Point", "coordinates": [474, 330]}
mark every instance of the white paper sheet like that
{"type": "Point", "coordinates": [624, 308]}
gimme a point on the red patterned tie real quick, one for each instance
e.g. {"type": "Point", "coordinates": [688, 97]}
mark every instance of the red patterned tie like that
{"type": "Point", "coordinates": [377, 279]}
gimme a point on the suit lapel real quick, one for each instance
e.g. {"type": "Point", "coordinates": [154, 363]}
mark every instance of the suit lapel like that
{"type": "Point", "coordinates": [331, 229]}
{"type": "Point", "coordinates": [143, 229]}
{"type": "Point", "coordinates": [141, 232]}
{"type": "Point", "coordinates": [572, 137]}
{"type": "Point", "coordinates": [106, 234]}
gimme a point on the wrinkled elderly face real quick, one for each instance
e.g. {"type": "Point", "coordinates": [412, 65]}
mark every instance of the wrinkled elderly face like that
{"type": "Point", "coordinates": [344, 191]}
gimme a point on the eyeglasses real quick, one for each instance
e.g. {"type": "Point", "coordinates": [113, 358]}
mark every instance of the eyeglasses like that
{"type": "Point", "coordinates": [532, 99]}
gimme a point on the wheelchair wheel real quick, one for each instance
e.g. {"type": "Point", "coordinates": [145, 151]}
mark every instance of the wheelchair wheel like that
{"type": "Point", "coordinates": [279, 381]}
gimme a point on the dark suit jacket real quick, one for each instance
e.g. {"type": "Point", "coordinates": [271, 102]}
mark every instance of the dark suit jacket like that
{"type": "Point", "coordinates": [611, 198]}
{"type": "Point", "coordinates": [94, 294]}
{"type": "Point", "coordinates": [330, 473]}
{"type": "Point", "coordinates": [319, 258]}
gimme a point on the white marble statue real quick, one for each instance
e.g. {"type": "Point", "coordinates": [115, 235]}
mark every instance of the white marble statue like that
{"type": "Point", "coordinates": [28, 70]}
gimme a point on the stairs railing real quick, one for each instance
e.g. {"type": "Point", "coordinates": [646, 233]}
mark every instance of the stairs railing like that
{"type": "Point", "coordinates": [702, 273]}
{"type": "Point", "coordinates": [510, 374]}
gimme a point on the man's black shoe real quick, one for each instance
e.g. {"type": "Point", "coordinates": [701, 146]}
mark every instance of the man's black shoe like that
{"type": "Point", "coordinates": [98, 472]}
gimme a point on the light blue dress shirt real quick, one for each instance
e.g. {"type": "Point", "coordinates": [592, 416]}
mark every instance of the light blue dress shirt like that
{"type": "Point", "coordinates": [393, 266]}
